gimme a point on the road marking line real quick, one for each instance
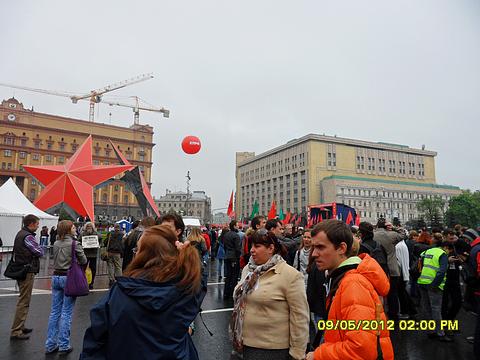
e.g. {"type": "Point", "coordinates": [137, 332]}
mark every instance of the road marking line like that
{"type": "Point", "coordinates": [216, 310]}
{"type": "Point", "coordinates": [49, 292]}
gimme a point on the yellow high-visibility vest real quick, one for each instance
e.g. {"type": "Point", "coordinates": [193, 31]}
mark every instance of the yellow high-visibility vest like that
{"type": "Point", "coordinates": [431, 265]}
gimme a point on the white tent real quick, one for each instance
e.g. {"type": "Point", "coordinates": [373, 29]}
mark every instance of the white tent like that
{"type": "Point", "coordinates": [13, 206]}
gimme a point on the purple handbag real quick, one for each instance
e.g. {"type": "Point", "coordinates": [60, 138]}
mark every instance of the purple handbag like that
{"type": "Point", "coordinates": [76, 284]}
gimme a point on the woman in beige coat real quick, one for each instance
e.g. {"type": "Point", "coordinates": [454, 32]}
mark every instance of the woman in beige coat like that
{"type": "Point", "coordinates": [270, 316]}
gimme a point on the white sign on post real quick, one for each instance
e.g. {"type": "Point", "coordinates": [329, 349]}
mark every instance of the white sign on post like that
{"type": "Point", "coordinates": [90, 241]}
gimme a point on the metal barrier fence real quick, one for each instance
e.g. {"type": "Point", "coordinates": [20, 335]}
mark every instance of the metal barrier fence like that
{"type": "Point", "coordinates": [46, 263]}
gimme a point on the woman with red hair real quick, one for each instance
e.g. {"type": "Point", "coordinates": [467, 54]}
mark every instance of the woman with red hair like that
{"type": "Point", "coordinates": [148, 311]}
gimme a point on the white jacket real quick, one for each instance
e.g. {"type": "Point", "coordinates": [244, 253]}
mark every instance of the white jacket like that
{"type": "Point", "coordinates": [403, 258]}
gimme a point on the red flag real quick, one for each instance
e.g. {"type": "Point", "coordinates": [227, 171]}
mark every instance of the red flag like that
{"type": "Point", "coordinates": [273, 211]}
{"type": "Point", "coordinates": [315, 219]}
{"type": "Point", "coordinates": [357, 220]}
{"type": "Point", "coordinates": [287, 218]}
{"type": "Point", "coordinates": [334, 210]}
{"type": "Point", "coordinates": [294, 217]}
{"type": "Point", "coordinates": [320, 219]}
{"type": "Point", "coordinates": [349, 218]}
{"type": "Point", "coordinates": [230, 206]}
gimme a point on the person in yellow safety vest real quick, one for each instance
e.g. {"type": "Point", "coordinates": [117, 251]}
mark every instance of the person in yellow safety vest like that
{"type": "Point", "coordinates": [431, 283]}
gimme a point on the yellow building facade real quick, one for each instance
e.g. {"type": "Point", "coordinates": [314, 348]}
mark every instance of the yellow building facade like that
{"type": "Point", "coordinates": [377, 179]}
{"type": "Point", "coordinates": [32, 138]}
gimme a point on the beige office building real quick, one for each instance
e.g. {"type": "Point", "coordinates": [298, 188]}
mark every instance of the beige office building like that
{"type": "Point", "coordinates": [377, 179]}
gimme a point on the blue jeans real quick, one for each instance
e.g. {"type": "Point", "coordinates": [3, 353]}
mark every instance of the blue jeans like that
{"type": "Point", "coordinates": [219, 267]}
{"type": "Point", "coordinates": [60, 321]}
{"type": "Point", "coordinates": [431, 305]}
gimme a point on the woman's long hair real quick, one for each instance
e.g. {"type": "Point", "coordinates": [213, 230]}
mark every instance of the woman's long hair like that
{"type": "Point", "coordinates": [159, 260]}
{"type": "Point", "coordinates": [64, 228]}
{"type": "Point", "coordinates": [195, 236]}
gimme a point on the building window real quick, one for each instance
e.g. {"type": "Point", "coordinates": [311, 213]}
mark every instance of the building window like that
{"type": "Point", "coordinates": [62, 146]}
{"type": "Point", "coordinates": [115, 198]}
{"type": "Point", "coordinates": [141, 157]}
{"type": "Point", "coordinates": [49, 146]}
{"type": "Point", "coordinates": [48, 158]}
{"type": "Point", "coordinates": [125, 199]}
{"type": "Point", "coordinates": [61, 159]}
{"type": "Point", "coordinates": [32, 194]}
{"type": "Point", "coordinates": [36, 157]}
{"type": "Point", "coordinates": [23, 142]}
{"type": "Point", "coordinates": [331, 156]}
{"type": "Point", "coordinates": [104, 197]}
{"type": "Point", "coordinates": [37, 145]}
{"type": "Point", "coordinates": [8, 140]}
{"type": "Point", "coordinates": [22, 154]}
{"type": "Point", "coordinates": [7, 153]}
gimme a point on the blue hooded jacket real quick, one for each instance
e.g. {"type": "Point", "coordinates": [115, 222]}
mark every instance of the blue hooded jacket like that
{"type": "Point", "coordinates": [140, 319]}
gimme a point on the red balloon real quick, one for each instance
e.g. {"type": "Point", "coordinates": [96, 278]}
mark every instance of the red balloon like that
{"type": "Point", "coordinates": [191, 145]}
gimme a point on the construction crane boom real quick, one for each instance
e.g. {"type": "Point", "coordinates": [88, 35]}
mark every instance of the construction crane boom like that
{"type": "Point", "coordinates": [137, 107]}
{"type": "Point", "coordinates": [95, 96]}
{"type": "Point", "coordinates": [49, 92]}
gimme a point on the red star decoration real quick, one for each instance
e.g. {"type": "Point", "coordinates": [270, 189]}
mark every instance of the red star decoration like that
{"type": "Point", "coordinates": [73, 182]}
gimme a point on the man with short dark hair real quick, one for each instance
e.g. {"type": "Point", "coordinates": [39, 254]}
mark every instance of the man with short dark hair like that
{"type": "Point", "coordinates": [258, 222]}
{"type": "Point", "coordinates": [176, 223]}
{"type": "Point", "coordinates": [26, 251]}
{"type": "Point", "coordinates": [232, 245]}
{"type": "Point", "coordinates": [291, 244]}
{"type": "Point", "coordinates": [354, 286]}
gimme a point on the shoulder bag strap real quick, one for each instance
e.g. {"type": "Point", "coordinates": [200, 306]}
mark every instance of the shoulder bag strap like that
{"type": "Point", "coordinates": [74, 255]}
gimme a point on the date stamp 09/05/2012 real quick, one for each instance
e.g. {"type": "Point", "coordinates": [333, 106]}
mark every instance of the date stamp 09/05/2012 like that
{"type": "Point", "coordinates": [376, 325]}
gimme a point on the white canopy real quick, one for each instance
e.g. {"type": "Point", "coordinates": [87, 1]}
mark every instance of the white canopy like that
{"type": "Point", "coordinates": [13, 206]}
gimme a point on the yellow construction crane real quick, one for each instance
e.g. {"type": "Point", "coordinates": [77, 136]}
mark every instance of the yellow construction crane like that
{"type": "Point", "coordinates": [94, 96]}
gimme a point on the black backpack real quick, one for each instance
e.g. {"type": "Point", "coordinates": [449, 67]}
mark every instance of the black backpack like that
{"type": "Point", "coordinates": [379, 254]}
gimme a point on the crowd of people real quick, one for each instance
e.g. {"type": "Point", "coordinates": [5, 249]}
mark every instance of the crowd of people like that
{"type": "Point", "coordinates": [330, 292]}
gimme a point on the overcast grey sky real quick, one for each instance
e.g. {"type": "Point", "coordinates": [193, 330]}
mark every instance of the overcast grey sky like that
{"type": "Point", "coordinates": [251, 75]}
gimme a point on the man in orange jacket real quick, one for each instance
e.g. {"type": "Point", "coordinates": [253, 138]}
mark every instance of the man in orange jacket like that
{"type": "Point", "coordinates": [356, 327]}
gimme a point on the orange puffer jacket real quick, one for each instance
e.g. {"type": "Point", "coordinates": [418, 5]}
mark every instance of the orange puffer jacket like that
{"type": "Point", "coordinates": [356, 299]}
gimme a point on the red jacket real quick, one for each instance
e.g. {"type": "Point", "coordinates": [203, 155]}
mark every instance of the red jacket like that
{"type": "Point", "coordinates": [207, 240]}
{"type": "Point", "coordinates": [356, 299]}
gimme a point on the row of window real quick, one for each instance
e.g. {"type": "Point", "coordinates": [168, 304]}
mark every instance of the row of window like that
{"type": "Point", "coordinates": [286, 164]}
{"type": "Point", "coordinates": [387, 194]}
{"type": "Point", "coordinates": [180, 205]}
{"type": "Point", "coordinates": [379, 205]}
{"type": "Point", "coordinates": [37, 144]}
{"type": "Point", "coordinates": [376, 162]}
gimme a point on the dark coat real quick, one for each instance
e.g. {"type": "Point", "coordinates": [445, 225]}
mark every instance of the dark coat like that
{"type": "Point", "coordinates": [140, 319]}
{"type": "Point", "coordinates": [114, 241]}
{"type": "Point", "coordinates": [22, 254]}
{"type": "Point", "coordinates": [316, 292]}
{"type": "Point", "coordinates": [232, 245]}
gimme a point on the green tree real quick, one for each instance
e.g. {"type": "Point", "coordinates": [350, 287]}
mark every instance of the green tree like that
{"type": "Point", "coordinates": [432, 210]}
{"type": "Point", "coordinates": [464, 209]}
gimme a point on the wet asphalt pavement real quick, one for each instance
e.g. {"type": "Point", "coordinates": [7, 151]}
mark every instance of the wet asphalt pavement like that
{"type": "Point", "coordinates": [408, 345]}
